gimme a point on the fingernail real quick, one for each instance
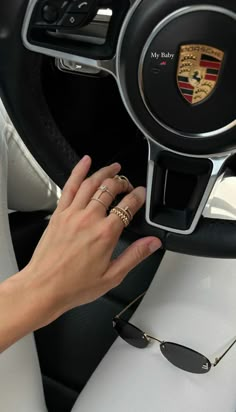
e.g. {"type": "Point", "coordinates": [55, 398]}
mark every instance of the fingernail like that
{"type": "Point", "coordinates": [116, 166]}
{"type": "Point", "coordinates": [85, 159]}
{"type": "Point", "coordinates": [154, 245]}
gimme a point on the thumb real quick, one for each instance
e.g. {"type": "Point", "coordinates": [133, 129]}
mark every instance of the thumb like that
{"type": "Point", "coordinates": [131, 257]}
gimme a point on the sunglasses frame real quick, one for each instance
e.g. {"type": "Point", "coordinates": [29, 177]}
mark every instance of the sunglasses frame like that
{"type": "Point", "coordinates": [149, 338]}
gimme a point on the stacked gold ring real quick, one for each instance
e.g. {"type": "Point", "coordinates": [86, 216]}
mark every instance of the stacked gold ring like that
{"type": "Point", "coordinates": [124, 214]}
{"type": "Point", "coordinates": [129, 213]}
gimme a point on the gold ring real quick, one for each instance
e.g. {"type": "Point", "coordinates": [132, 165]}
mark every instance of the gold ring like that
{"type": "Point", "coordinates": [104, 189]}
{"type": "Point", "coordinates": [126, 211]}
{"type": "Point", "coordinates": [124, 179]}
{"type": "Point", "coordinates": [100, 201]}
{"type": "Point", "coordinates": [121, 214]}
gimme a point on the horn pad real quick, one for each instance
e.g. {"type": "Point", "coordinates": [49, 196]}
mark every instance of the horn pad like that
{"type": "Point", "coordinates": [178, 77]}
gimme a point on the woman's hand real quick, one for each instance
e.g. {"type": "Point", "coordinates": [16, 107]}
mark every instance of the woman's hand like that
{"type": "Point", "coordinates": [72, 263]}
{"type": "Point", "coordinates": [73, 258]}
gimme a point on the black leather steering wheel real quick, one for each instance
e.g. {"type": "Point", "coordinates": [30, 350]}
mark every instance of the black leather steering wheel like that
{"type": "Point", "coordinates": [175, 66]}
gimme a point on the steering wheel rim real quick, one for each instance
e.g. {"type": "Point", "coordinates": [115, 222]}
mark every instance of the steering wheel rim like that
{"type": "Point", "coordinates": [21, 91]}
{"type": "Point", "coordinates": [202, 238]}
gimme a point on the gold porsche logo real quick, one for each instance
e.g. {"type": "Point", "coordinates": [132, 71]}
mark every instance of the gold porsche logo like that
{"type": "Point", "coordinates": [198, 71]}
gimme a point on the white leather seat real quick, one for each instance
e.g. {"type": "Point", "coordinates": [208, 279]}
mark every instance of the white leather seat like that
{"type": "Point", "coordinates": [29, 189]}
{"type": "Point", "coordinates": [192, 302]}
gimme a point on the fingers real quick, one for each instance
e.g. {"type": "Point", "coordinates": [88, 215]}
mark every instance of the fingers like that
{"type": "Point", "coordinates": [73, 183]}
{"type": "Point", "coordinates": [134, 201]}
{"type": "Point", "coordinates": [90, 185]}
{"type": "Point", "coordinates": [130, 258]}
{"type": "Point", "coordinates": [106, 194]}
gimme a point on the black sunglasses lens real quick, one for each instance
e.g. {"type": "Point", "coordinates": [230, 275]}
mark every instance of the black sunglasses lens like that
{"type": "Point", "coordinates": [185, 358]}
{"type": "Point", "coordinates": [130, 333]}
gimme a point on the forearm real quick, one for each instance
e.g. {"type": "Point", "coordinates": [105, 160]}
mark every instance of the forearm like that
{"type": "Point", "coordinates": [22, 309]}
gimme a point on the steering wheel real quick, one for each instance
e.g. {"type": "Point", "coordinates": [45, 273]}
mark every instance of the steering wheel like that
{"type": "Point", "coordinates": [175, 66]}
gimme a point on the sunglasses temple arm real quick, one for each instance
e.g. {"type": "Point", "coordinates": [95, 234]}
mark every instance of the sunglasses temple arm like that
{"type": "Point", "coordinates": [130, 304]}
{"type": "Point", "coordinates": [217, 360]}
{"type": "Point", "coordinates": [156, 339]}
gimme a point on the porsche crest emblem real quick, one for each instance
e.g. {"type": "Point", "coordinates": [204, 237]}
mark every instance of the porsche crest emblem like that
{"type": "Point", "coordinates": [198, 71]}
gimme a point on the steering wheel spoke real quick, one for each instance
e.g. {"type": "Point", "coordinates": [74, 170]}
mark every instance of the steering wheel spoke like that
{"type": "Point", "coordinates": [178, 188]}
{"type": "Point", "coordinates": [78, 34]}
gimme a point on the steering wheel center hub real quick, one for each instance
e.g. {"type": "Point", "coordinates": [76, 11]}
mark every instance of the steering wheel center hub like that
{"type": "Point", "coordinates": [183, 65]}
{"type": "Point", "coordinates": [176, 75]}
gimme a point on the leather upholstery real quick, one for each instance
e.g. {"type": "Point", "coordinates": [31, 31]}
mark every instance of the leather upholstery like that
{"type": "Point", "coordinates": [20, 378]}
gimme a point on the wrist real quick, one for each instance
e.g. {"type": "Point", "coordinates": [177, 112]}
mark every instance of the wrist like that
{"type": "Point", "coordinates": [23, 308]}
{"type": "Point", "coordinates": [40, 297]}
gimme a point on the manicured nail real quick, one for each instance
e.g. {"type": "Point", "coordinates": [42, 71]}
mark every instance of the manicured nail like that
{"type": "Point", "coordinates": [85, 159]}
{"type": "Point", "coordinates": [116, 166]}
{"type": "Point", "coordinates": [154, 245]}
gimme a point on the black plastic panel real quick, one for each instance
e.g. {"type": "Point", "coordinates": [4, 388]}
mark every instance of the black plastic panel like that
{"type": "Point", "coordinates": [48, 35]}
{"type": "Point", "coordinates": [177, 189]}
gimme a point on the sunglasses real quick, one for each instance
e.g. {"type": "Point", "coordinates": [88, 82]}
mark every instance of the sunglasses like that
{"type": "Point", "coordinates": [180, 356]}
